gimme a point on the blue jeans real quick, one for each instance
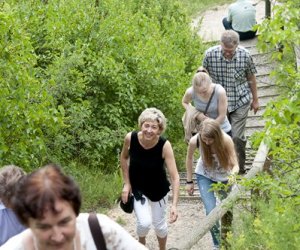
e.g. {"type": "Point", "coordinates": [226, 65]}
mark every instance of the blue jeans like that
{"type": "Point", "coordinates": [209, 199]}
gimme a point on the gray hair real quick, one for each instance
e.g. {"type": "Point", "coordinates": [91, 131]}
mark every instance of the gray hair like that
{"type": "Point", "coordinates": [230, 38]}
{"type": "Point", "coordinates": [9, 177]}
{"type": "Point", "coordinates": [153, 114]}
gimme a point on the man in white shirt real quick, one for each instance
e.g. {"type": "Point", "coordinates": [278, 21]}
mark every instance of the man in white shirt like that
{"type": "Point", "coordinates": [241, 18]}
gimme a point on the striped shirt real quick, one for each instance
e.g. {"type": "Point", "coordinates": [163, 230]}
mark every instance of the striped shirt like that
{"type": "Point", "coordinates": [231, 74]}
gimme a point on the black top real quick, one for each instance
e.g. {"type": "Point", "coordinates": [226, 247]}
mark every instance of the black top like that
{"type": "Point", "coordinates": [147, 171]}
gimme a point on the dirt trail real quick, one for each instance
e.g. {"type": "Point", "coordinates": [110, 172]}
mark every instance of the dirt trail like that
{"type": "Point", "coordinates": [190, 214]}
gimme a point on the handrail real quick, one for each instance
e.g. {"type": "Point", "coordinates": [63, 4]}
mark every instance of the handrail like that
{"type": "Point", "coordinates": [217, 213]}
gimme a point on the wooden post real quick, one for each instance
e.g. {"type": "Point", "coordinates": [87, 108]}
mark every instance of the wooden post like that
{"type": "Point", "coordinates": [267, 8]}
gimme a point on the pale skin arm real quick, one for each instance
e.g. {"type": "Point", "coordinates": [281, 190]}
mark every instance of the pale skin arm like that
{"type": "Point", "coordinates": [168, 155]}
{"type": "Point", "coordinates": [189, 163]}
{"type": "Point", "coordinates": [124, 161]}
{"type": "Point", "coordinates": [222, 106]}
{"type": "Point", "coordinates": [253, 87]}
{"type": "Point", "coordinates": [187, 99]}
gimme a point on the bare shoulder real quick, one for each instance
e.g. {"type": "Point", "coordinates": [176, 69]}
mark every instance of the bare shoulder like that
{"type": "Point", "coordinates": [221, 89]}
{"type": "Point", "coordinates": [228, 140]}
{"type": "Point", "coordinates": [127, 139]}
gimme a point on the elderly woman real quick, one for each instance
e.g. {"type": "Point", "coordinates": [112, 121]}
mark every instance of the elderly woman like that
{"type": "Point", "coordinates": [9, 223]}
{"type": "Point", "coordinates": [144, 155]}
{"type": "Point", "coordinates": [208, 98]}
{"type": "Point", "coordinates": [217, 162]}
{"type": "Point", "coordinates": [48, 203]}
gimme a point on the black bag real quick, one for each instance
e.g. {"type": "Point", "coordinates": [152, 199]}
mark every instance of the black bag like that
{"type": "Point", "coordinates": [128, 206]}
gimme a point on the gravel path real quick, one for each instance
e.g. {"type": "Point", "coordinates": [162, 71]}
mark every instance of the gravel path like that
{"type": "Point", "coordinates": [190, 214]}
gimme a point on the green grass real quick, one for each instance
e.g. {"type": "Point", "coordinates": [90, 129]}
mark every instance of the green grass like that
{"type": "Point", "coordinates": [99, 191]}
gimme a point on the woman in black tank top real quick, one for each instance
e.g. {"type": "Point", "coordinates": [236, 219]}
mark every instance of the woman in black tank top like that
{"type": "Point", "coordinates": [144, 159]}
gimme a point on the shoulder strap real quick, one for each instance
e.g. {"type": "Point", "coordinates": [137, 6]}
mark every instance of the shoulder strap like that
{"type": "Point", "coordinates": [96, 232]}
{"type": "Point", "coordinates": [207, 106]}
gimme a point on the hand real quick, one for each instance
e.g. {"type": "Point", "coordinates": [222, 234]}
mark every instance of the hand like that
{"type": "Point", "coordinates": [125, 192]}
{"type": "Point", "coordinates": [254, 106]}
{"type": "Point", "coordinates": [201, 117]}
{"type": "Point", "coordinates": [173, 214]}
{"type": "Point", "coordinates": [190, 189]}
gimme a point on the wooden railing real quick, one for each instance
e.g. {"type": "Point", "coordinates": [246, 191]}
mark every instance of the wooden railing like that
{"type": "Point", "coordinates": [258, 165]}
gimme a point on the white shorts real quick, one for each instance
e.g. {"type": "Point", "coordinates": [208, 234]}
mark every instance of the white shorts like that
{"type": "Point", "coordinates": [151, 213]}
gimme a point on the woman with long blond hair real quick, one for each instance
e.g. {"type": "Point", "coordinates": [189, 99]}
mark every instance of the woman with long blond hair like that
{"type": "Point", "coordinates": [217, 162]}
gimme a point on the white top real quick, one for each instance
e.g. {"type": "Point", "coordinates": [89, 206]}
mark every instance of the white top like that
{"type": "Point", "coordinates": [215, 173]}
{"type": "Point", "coordinates": [242, 15]}
{"type": "Point", "coordinates": [115, 236]}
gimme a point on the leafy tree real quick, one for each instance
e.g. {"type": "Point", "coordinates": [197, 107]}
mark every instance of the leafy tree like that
{"type": "Point", "coordinates": [275, 223]}
{"type": "Point", "coordinates": [28, 117]}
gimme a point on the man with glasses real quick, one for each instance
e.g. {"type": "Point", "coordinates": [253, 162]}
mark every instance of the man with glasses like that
{"type": "Point", "coordinates": [232, 66]}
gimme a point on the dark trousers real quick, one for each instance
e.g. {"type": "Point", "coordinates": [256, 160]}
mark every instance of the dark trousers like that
{"type": "Point", "coordinates": [243, 35]}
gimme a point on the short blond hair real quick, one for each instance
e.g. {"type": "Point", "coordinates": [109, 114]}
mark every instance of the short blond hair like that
{"type": "Point", "coordinates": [153, 114]}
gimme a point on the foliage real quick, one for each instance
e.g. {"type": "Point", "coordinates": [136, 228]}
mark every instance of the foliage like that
{"type": "Point", "coordinates": [99, 191]}
{"type": "Point", "coordinates": [76, 75]}
{"type": "Point", "coordinates": [275, 222]}
{"type": "Point", "coordinates": [28, 117]}
{"type": "Point", "coordinates": [275, 227]}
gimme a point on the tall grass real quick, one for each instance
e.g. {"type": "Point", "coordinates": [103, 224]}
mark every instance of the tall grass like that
{"type": "Point", "coordinates": [99, 191]}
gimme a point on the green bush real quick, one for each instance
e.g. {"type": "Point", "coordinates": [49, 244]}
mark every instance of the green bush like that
{"type": "Point", "coordinates": [274, 221]}
{"type": "Point", "coordinates": [28, 117]}
{"type": "Point", "coordinates": [76, 75]}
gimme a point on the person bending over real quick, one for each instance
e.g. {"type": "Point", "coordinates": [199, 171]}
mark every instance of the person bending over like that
{"type": "Point", "coordinates": [217, 163]}
{"type": "Point", "coordinates": [241, 18]}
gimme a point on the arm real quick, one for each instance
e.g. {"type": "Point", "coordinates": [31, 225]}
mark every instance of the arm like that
{"type": "Point", "coordinates": [124, 161]}
{"type": "Point", "coordinates": [252, 84]}
{"type": "Point", "coordinates": [222, 106]}
{"type": "Point", "coordinates": [186, 101]}
{"type": "Point", "coordinates": [232, 153]}
{"type": "Point", "coordinates": [168, 155]}
{"type": "Point", "coordinates": [189, 163]}
{"type": "Point", "coordinates": [187, 98]}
